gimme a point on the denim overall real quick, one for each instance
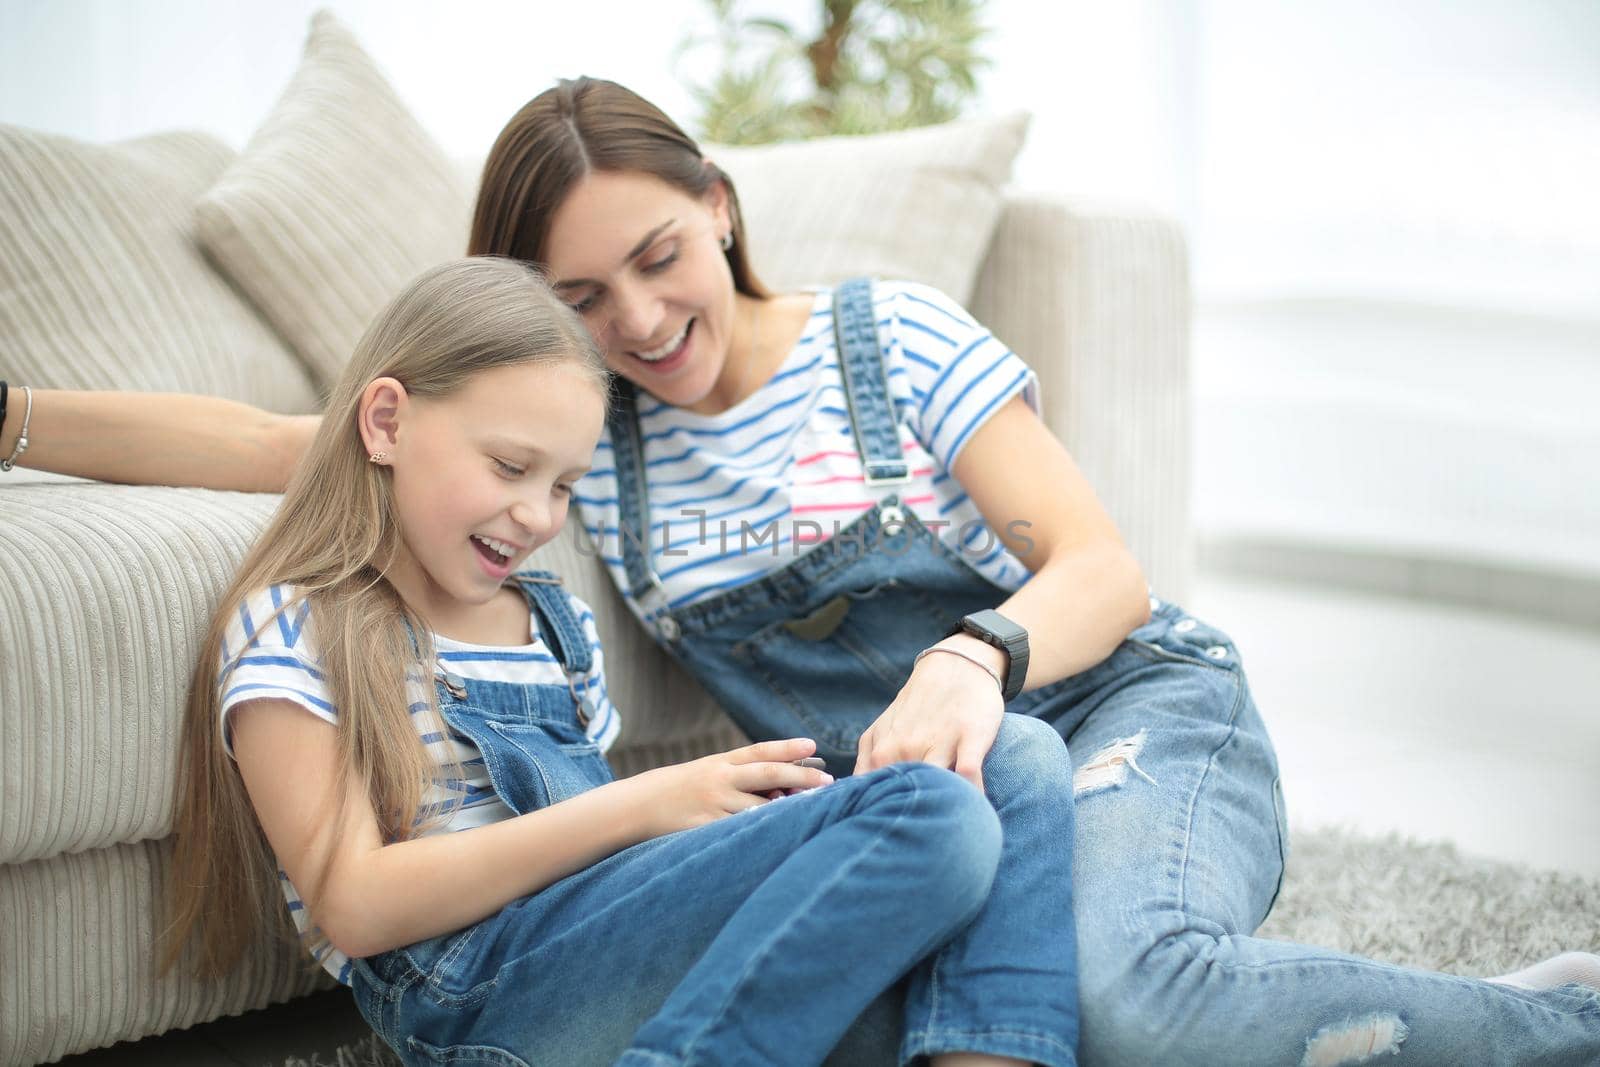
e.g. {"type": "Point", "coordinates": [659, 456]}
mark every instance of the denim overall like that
{"type": "Point", "coordinates": [1180, 835]}
{"type": "Point", "coordinates": [723, 944]}
{"type": "Point", "coordinates": [536, 753]}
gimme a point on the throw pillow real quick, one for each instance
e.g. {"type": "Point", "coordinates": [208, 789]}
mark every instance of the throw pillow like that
{"type": "Point", "coordinates": [339, 199]}
{"type": "Point", "coordinates": [919, 204]}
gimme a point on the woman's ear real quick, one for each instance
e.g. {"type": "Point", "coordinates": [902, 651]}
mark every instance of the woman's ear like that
{"type": "Point", "coordinates": [717, 199]}
{"type": "Point", "coordinates": [383, 408]}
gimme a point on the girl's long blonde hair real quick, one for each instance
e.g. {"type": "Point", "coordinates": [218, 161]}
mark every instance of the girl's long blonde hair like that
{"type": "Point", "coordinates": [332, 537]}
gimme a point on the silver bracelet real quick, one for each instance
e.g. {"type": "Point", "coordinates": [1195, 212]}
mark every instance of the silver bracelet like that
{"type": "Point", "coordinates": [974, 660]}
{"type": "Point", "coordinates": [22, 438]}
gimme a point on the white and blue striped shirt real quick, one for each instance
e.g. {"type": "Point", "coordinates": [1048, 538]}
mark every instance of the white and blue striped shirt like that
{"type": "Point", "coordinates": [280, 660]}
{"type": "Point", "coordinates": [740, 493]}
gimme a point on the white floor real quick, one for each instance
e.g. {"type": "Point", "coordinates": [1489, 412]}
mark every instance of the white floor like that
{"type": "Point", "coordinates": [1435, 721]}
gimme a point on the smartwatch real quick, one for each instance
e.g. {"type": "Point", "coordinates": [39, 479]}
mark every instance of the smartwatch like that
{"type": "Point", "coordinates": [995, 629]}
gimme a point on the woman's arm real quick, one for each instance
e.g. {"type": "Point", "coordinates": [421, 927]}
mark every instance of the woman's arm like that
{"type": "Point", "coordinates": [1086, 594]}
{"type": "Point", "coordinates": [1087, 591]}
{"type": "Point", "coordinates": [157, 439]}
{"type": "Point", "coordinates": [452, 880]}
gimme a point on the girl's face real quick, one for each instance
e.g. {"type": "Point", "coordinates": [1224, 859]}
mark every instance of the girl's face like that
{"type": "Point", "coordinates": [642, 262]}
{"type": "Point", "coordinates": [481, 477]}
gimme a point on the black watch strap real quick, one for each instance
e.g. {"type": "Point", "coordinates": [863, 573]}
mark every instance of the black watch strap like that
{"type": "Point", "coordinates": [993, 628]}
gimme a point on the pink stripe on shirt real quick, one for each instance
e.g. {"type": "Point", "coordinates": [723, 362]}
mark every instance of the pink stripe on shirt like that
{"type": "Point", "coordinates": [909, 445]}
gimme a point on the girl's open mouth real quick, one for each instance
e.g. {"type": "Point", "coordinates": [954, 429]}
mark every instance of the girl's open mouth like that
{"type": "Point", "coordinates": [497, 563]}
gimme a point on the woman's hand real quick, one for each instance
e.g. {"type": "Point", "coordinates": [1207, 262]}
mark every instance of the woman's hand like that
{"type": "Point", "coordinates": [947, 714]}
{"type": "Point", "coordinates": [686, 795]}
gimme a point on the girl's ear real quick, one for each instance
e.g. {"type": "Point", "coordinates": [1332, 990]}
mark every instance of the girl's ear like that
{"type": "Point", "coordinates": [383, 408]}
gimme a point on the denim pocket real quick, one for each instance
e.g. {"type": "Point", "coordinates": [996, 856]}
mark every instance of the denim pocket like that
{"type": "Point", "coordinates": [563, 761]}
{"type": "Point", "coordinates": [839, 666]}
{"type": "Point", "coordinates": [463, 1055]}
{"type": "Point", "coordinates": [439, 960]}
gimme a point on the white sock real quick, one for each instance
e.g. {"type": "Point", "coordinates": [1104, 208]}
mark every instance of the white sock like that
{"type": "Point", "coordinates": [1569, 968]}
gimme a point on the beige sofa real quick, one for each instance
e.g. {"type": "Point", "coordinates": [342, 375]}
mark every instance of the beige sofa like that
{"type": "Point", "coordinates": [104, 589]}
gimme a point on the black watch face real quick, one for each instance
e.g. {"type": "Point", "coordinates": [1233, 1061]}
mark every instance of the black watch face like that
{"type": "Point", "coordinates": [997, 624]}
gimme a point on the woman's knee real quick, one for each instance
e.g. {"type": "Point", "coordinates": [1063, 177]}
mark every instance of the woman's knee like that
{"type": "Point", "coordinates": [1121, 1003]}
{"type": "Point", "coordinates": [1139, 983]}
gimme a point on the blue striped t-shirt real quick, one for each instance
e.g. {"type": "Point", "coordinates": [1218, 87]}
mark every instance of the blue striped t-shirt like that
{"type": "Point", "coordinates": [278, 659]}
{"type": "Point", "coordinates": [740, 493]}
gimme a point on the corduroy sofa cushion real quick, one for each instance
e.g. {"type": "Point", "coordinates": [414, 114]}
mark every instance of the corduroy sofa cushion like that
{"type": "Point", "coordinates": [75, 961]}
{"type": "Point", "coordinates": [102, 287]}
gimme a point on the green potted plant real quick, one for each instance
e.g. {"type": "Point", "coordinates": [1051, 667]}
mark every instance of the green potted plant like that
{"type": "Point", "coordinates": [872, 65]}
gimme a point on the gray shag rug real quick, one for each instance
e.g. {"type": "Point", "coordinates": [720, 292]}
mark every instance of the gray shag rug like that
{"type": "Point", "coordinates": [1389, 898]}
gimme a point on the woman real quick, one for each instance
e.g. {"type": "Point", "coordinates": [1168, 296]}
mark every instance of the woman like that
{"type": "Point", "coordinates": [739, 410]}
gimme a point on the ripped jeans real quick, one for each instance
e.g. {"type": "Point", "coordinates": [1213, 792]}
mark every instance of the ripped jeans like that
{"type": "Point", "coordinates": [1179, 856]}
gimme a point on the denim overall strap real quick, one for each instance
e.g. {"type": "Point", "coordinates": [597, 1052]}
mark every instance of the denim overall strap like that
{"type": "Point", "coordinates": [633, 504]}
{"type": "Point", "coordinates": [866, 388]}
{"type": "Point", "coordinates": [562, 634]}
{"type": "Point", "coordinates": [558, 625]}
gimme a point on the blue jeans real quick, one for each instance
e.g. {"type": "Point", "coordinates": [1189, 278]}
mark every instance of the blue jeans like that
{"type": "Point", "coordinates": [758, 938]}
{"type": "Point", "coordinates": [1179, 859]}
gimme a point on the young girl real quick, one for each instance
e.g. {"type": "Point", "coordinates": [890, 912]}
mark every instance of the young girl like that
{"type": "Point", "coordinates": [418, 726]}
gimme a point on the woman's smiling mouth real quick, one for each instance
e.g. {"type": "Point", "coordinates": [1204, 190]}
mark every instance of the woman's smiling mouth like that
{"type": "Point", "coordinates": [674, 346]}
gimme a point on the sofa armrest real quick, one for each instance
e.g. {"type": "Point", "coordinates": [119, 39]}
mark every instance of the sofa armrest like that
{"type": "Point", "coordinates": [1097, 302]}
{"type": "Point", "coordinates": [105, 593]}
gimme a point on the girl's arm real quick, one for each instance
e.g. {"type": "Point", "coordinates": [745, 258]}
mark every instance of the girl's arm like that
{"type": "Point", "coordinates": [157, 439]}
{"type": "Point", "coordinates": [1086, 594]}
{"type": "Point", "coordinates": [379, 897]}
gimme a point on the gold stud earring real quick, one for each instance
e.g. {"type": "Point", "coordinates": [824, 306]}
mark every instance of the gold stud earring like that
{"type": "Point", "coordinates": [377, 457]}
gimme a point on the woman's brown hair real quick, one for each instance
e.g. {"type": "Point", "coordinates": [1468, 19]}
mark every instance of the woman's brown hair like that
{"type": "Point", "coordinates": [567, 132]}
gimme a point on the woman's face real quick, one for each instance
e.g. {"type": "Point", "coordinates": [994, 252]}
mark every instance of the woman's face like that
{"type": "Point", "coordinates": [642, 262]}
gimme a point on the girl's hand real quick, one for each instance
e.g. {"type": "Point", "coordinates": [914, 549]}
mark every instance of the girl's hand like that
{"type": "Point", "coordinates": [686, 795]}
{"type": "Point", "coordinates": [947, 714]}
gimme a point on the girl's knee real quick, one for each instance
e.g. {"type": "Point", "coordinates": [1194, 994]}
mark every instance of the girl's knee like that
{"type": "Point", "coordinates": [954, 830]}
{"type": "Point", "coordinates": [1028, 756]}
{"type": "Point", "coordinates": [948, 797]}
{"type": "Point", "coordinates": [1026, 738]}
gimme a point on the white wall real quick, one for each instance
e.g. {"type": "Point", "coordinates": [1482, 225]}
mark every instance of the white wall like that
{"type": "Point", "coordinates": [109, 69]}
{"type": "Point", "coordinates": [1398, 263]}
{"type": "Point", "coordinates": [1444, 151]}
{"type": "Point", "coordinates": [1101, 79]}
